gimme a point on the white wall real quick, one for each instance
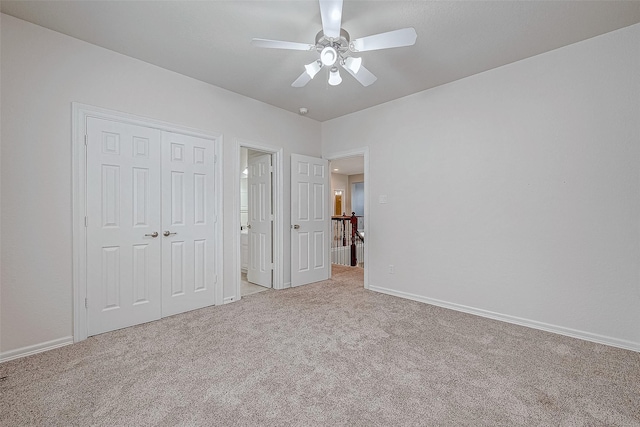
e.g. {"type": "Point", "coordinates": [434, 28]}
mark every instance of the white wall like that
{"type": "Point", "coordinates": [0, 192]}
{"type": "Point", "coordinates": [339, 182]}
{"type": "Point", "coordinates": [42, 73]}
{"type": "Point", "coordinates": [352, 180]}
{"type": "Point", "coordinates": [516, 191]}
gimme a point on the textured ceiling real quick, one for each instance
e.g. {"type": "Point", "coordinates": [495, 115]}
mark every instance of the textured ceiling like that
{"type": "Point", "coordinates": [348, 165]}
{"type": "Point", "coordinates": [209, 40]}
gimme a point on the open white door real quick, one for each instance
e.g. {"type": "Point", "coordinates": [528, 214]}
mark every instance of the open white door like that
{"type": "Point", "coordinates": [188, 223]}
{"type": "Point", "coordinates": [309, 220]}
{"type": "Point", "coordinates": [259, 269]}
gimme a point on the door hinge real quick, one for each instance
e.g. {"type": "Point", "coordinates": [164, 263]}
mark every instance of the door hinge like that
{"type": "Point", "coordinates": [272, 266]}
{"type": "Point", "coordinates": [85, 140]}
{"type": "Point", "coordinates": [215, 158]}
{"type": "Point", "coordinates": [86, 221]}
{"type": "Point", "coordinates": [86, 303]}
{"type": "Point", "coordinates": [215, 279]}
{"type": "Point", "coordinates": [271, 169]}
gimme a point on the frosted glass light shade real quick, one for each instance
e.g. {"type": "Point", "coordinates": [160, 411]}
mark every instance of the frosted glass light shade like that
{"type": "Point", "coordinates": [328, 56]}
{"type": "Point", "coordinates": [353, 64]}
{"type": "Point", "coordinates": [313, 68]}
{"type": "Point", "coordinates": [334, 77]}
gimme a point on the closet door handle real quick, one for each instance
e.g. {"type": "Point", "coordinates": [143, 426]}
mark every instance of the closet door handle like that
{"type": "Point", "coordinates": [167, 233]}
{"type": "Point", "coordinates": [154, 234]}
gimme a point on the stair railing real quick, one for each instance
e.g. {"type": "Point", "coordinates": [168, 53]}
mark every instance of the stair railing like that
{"type": "Point", "coordinates": [347, 243]}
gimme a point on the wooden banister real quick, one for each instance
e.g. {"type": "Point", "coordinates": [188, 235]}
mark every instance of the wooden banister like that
{"type": "Point", "coordinates": [345, 234]}
{"type": "Point", "coordinates": [354, 229]}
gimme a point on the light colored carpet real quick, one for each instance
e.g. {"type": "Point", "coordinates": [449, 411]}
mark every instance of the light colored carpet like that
{"type": "Point", "coordinates": [329, 353]}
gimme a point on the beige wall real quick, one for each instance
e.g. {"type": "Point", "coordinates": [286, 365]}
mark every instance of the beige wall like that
{"type": "Point", "coordinates": [340, 182]}
{"type": "Point", "coordinates": [344, 182]}
{"type": "Point", "coordinates": [352, 180]}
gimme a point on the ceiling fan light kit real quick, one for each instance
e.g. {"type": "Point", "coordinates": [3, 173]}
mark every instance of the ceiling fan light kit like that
{"type": "Point", "coordinates": [334, 45]}
{"type": "Point", "coordinates": [313, 68]}
{"type": "Point", "coordinates": [328, 56]}
{"type": "Point", "coordinates": [334, 77]}
{"type": "Point", "coordinates": [353, 64]}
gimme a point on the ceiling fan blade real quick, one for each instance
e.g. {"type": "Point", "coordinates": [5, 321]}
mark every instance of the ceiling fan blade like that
{"type": "Point", "coordinates": [302, 80]}
{"type": "Point", "coordinates": [364, 76]}
{"type": "Point", "coordinates": [277, 44]}
{"type": "Point", "coordinates": [331, 14]}
{"type": "Point", "coordinates": [396, 38]}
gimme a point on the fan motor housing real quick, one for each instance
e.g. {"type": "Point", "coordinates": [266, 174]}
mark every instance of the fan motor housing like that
{"type": "Point", "coordinates": [341, 44]}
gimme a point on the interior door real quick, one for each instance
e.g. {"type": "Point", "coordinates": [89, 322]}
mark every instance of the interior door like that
{"type": "Point", "coordinates": [188, 223]}
{"type": "Point", "coordinates": [309, 220]}
{"type": "Point", "coordinates": [259, 270]}
{"type": "Point", "coordinates": [123, 225]}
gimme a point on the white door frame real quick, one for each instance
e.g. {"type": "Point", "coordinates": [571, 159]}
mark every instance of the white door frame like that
{"type": "Point", "coordinates": [277, 154]}
{"type": "Point", "coordinates": [357, 152]}
{"type": "Point", "coordinates": [79, 115]}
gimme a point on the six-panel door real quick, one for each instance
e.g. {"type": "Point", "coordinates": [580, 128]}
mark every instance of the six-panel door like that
{"type": "Point", "coordinates": [123, 214]}
{"type": "Point", "coordinates": [259, 270]}
{"type": "Point", "coordinates": [309, 220]}
{"type": "Point", "coordinates": [188, 273]}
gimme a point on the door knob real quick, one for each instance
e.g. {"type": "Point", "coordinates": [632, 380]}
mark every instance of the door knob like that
{"type": "Point", "coordinates": [167, 233]}
{"type": "Point", "coordinates": [296, 227]}
{"type": "Point", "coordinates": [154, 234]}
{"type": "Point", "coordinates": [248, 226]}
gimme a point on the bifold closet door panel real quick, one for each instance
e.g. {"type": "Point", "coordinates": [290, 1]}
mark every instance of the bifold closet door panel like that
{"type": "Point", "coordinates": [188, 217]}
{"type": "Point", "coordinates": [123, 225]}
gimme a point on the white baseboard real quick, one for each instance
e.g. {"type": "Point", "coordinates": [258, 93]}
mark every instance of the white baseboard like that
{"type": "Point", "coordinates": [286, 285]}
{"type": "Point", "coordinates": [35, 349]}
{"type": "Point", "coordinates": [561, 330]}
{"type": "Point", "coordinates": [227, 300]}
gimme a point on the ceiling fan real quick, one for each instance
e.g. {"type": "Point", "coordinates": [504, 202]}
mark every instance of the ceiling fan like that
{"type": "Point", "coordinates": [336, 48]}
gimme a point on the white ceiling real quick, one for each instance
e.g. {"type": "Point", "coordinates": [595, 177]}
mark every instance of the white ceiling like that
{"type": "Point", "coordinates": [348, 165]}
{"type": "Point", "coordinates": [209, 40]}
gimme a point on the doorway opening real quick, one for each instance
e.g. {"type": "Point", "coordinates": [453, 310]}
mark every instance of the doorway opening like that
{"type": "Point", "coordinates": [256, 221]}
{"type": "Point", "coordinates": [258, 216]}
{"type": "Point", "coordinates": [349, 208]}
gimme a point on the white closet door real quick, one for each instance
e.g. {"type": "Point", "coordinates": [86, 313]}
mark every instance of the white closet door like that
{"type": "Point", "coordinates": [260, 220]}
{"type": "Point", "coordinates": [123, 216]}
{"type": "Point", "coordinates": [188, 217]}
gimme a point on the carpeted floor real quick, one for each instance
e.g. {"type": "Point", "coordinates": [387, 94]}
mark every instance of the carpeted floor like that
{"type": "Point", "coordinates": [329, 353]}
